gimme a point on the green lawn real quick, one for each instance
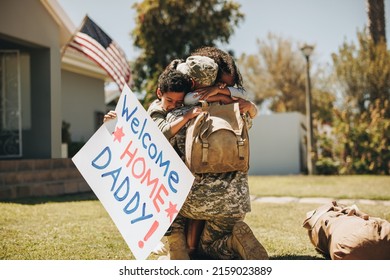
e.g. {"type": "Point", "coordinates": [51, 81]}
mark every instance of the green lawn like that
{"type": "Point", "coordinates": [340, 187]}
{"type": "Point", "coordinates": [79, 228]}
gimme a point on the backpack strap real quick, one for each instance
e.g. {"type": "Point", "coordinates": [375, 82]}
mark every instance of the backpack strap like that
{"type": "Point", "coordinates": [205, 151]}
{"type": "Point", "coordinates": [205, 105]}
{"type": "Point", "coordinates": [206, 122]}
{"type": "Point", "coordinates": [240, 146]}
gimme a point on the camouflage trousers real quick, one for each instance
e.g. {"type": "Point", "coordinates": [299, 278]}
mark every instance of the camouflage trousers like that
{"type": "Point", "coordinates": [213, 241]}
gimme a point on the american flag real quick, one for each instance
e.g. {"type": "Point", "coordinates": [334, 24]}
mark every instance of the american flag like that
{"type": "Point", "coordinates": [97, 45]}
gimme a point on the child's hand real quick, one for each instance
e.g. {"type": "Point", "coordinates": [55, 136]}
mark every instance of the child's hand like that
{"type": "Point", "coordinates": [193, 112]}
{"type": "Point", "coordinates": [109, 116]}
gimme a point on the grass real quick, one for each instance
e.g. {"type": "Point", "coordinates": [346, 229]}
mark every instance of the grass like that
{"type": "Point", "coordinates": [339, 187]}
{"type": "Point", "coordinates": [79, 228]}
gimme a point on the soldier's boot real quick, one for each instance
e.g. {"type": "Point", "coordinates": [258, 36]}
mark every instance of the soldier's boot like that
{"type": "Point", "coordinates": [244, 243]}
{"type": "Point", "coordinates": [178, 249]}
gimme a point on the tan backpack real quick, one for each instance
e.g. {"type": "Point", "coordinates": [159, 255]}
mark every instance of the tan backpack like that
{"type": "Point", "coordinates": [341, 232]}
{"type": "Point", "coordinates": [217, 140]}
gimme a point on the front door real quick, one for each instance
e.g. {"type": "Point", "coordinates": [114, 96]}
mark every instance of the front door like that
{"type": "Point", "coordinates": [10, 106]}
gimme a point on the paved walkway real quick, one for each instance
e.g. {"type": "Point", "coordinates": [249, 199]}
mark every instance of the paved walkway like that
{"type": "Point", "coordinates": [319, 200]}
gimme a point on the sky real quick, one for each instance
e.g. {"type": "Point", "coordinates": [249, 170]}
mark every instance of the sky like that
{"type": "Point", "coordinates": [326, 24]}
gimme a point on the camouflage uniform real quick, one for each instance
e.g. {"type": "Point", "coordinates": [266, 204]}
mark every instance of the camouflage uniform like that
{"type": "Point", "coordinates": [220, 199]}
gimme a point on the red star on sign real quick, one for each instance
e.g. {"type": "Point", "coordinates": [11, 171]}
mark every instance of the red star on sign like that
{"type": "Point", "coordinates": [171, 210]}
{"type": "Point", "coordinates": [118, 134]}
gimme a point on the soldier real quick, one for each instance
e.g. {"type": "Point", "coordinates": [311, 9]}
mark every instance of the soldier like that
{"type": "Point", "coordinates": [221, 200]}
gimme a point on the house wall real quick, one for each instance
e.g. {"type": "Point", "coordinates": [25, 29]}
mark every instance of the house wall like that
{"type": "Point", "coordinates": [85, 96]}
{"type": "Point", "coordinates": [26, 25]}
{"type": "Point", "coordinates": [277, 144]}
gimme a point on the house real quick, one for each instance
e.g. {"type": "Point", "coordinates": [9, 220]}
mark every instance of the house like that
{"type": "Point", "coordinates": [42, 85]}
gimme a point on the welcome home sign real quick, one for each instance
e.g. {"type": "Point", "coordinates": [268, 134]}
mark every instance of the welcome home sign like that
{"type": "Point", "coordinates": [136, 174]}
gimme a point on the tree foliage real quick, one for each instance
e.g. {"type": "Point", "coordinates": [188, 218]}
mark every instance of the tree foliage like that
{"type": "Point", "coordinates": [363, 72]}
{"type": "Point", "coordinates": [360, 138]}
{"type": "Point", "coordinates": [277, 74]}
{"type": "Point", "coordinates": [169, 29]}
{"type": "Point", "coordinates": [362, 141]}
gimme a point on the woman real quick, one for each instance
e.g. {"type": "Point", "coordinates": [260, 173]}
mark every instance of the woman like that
{"type": "Point", "coordinates": [222, 199]}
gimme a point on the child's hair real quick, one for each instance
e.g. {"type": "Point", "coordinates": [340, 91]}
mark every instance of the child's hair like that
{"type": "Point", "coordinates": [172, 80]}
{"type": "Point", "coordinates": [225, 63]}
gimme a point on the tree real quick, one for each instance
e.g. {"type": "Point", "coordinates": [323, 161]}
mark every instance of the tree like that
{"type": "Point", "coordinates": [277, 74]}
{"type": "Point", "coordinates": [363, 72]}
{"type": "Point", "coordinates": [376, 20]}
{"type": "Point", "coordinates": [167, 29]}
{"type": "Point", "coordinates": [361, 141]}
{"type": "Point", "coordinates": [360, 138]}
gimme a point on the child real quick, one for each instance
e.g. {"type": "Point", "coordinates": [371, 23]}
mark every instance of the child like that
{"type": "Point", "coordinates": [172, 86]}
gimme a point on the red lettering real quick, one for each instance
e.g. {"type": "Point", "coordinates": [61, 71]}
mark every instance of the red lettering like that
{"type": "Point", "coordinates": [159, 198]}
{"type": "Point", "coordinates": [141, 169]}
{"type": "Point", "coordinates": [128, 153]}
{"type": "Point", "coordinates": [150, 182]}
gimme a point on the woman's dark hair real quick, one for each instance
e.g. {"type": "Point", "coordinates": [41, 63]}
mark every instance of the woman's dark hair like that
{"type": "Point", "coordinates": [173, 64]}
{"type": "Point", "coordinates": [225, 63]}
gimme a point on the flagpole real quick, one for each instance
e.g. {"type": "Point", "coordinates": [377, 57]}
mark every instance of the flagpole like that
{"type": "Point", "coordinates": [63, 49]}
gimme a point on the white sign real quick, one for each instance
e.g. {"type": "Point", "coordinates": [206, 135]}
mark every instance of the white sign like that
{"type": "Point", "coordinates": [136, 174]}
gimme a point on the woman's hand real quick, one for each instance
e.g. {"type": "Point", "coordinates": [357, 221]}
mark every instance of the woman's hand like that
{"type": "Point", "coordinates": [208, 92]}
{"type": "Point", "coordinates": [247, 106]}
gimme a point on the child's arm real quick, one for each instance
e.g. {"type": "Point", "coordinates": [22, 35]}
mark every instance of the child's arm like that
{"type": "Point", "coordinates": [160, 119]}
{"type": "Point", "coordinates": [177, 124]}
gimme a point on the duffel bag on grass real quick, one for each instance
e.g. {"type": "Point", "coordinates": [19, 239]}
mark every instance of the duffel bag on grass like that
{"type": "Point", "coordinates": [341, 232]}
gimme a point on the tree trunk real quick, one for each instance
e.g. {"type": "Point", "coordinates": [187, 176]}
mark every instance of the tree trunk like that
{"type": "Point", "coordinates": [376, 20]}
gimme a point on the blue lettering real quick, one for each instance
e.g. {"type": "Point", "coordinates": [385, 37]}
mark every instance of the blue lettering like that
{"type": "Point", "coordinates": [125, 183]}
{"type": "Point", "coordinates": [143, 140]}
{"type": "Point", "coordinates": [152, 151]}
{"type": "Point", "coordinates": [136, 197]}
{"type": "Point", "coordinates": [107, 151]}
{"type": "Point", "coordinates": [134, 124]}
{"type": "Point", "coordinates": [166, 163]}
{"type": "Point", "coordinates": [142, 130]}
{"type": "Point", "coordinates": [125, 110]}
{"type": "Point", "coordinates": [114, 174]}
{"type": "Point", "coordinates": [151, 147]}
{"type": "Point", "coordinates": [143, 216]}
{"type": "Point", "coordinates": [173, 176]}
